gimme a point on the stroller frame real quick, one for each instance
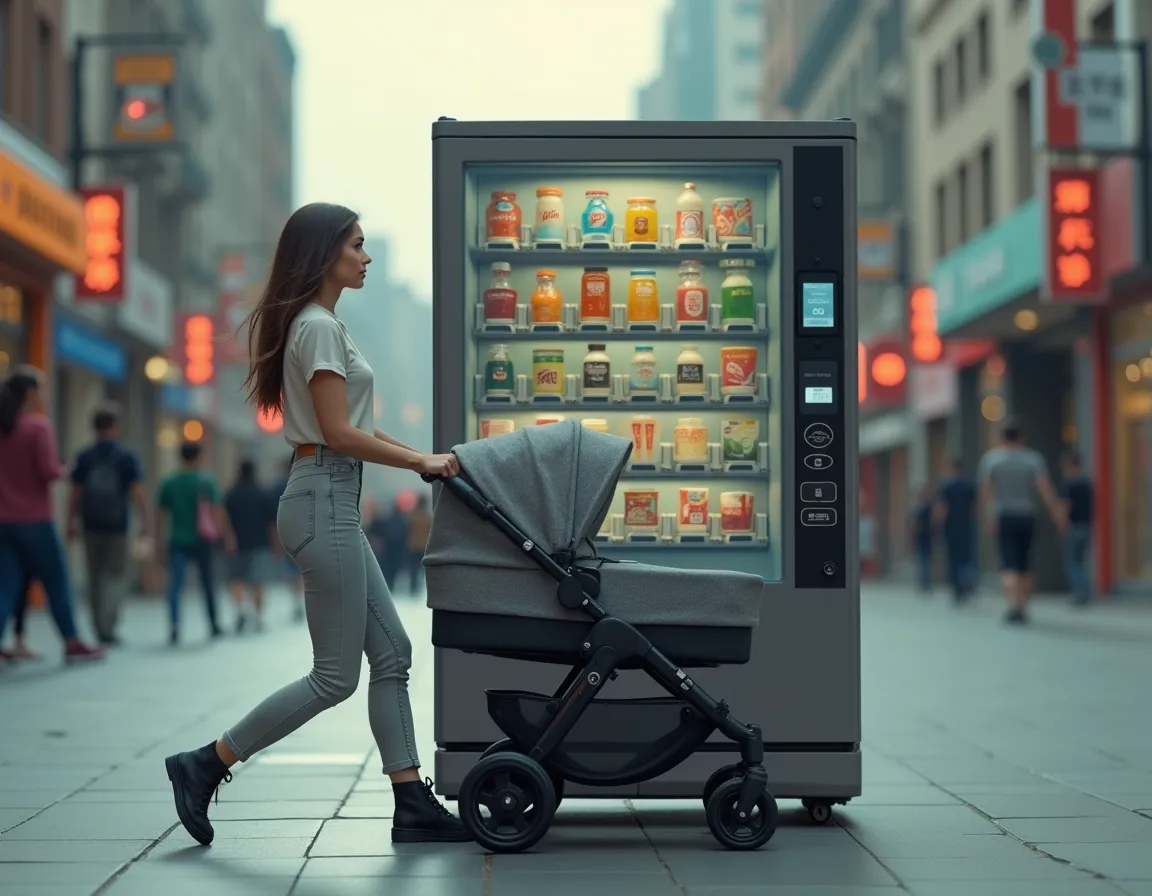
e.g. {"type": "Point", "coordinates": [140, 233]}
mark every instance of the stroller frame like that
{"type": "Point", "coordinates": [610, 644]}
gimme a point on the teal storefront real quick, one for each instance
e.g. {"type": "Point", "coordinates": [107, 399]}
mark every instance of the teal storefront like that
{"type": "Point", "coordinates": [982, 284]}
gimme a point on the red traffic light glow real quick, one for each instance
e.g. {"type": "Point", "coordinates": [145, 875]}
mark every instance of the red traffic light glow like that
{"type": "Point", "coordinates": [135, 109]}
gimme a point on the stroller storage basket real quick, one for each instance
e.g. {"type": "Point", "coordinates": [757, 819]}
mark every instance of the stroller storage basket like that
{"type": "Point", "coordinates": [614, 742]}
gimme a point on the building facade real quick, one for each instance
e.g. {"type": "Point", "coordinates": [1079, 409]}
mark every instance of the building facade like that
{"type": "Point", "coordinates": [848, 60]}
{"type": "Point", "coordinates": [710, 65]}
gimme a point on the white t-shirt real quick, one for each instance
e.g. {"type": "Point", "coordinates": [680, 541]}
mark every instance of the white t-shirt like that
{"type": "Point", "coordinates": [318, 340]}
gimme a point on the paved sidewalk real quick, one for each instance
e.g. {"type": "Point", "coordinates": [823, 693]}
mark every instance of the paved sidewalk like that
{"type": "Point", "coordinates": [999, 762]}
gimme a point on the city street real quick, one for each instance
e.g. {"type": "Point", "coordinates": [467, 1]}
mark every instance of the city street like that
{"type": "Point", "coordinates": [998, 761]}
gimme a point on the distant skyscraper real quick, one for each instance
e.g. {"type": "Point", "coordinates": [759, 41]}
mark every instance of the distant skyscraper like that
{"type": "Point", "coordinates": [710, 67]}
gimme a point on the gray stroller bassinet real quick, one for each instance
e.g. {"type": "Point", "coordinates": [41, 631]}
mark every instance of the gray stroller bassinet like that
{"type": "Point", "coordinates": [512, 572]}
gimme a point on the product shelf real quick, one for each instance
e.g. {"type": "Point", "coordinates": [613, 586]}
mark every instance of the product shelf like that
{"type": "Point", "coordinates": [497, 336]}
{"type": "Point", "coordinates": [618, 257]}
{"type": "Point", "coordinates": [734, 402]}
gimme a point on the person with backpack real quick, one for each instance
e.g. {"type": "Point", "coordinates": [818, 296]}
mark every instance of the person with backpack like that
{"type": "Point", "coordinates": [197, 525]}
{"type": "Point", "coordinates": [107, 483]}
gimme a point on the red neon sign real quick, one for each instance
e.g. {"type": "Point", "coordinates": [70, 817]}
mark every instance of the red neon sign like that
{"type": "Point", "coordinates": [104, 244]}
{"type": "Point", "coordinates": [925, 340]}
{"type": "Point", "coordinates": [199, 351]}
{"type": "Point", "coordinates": [1075, 272]}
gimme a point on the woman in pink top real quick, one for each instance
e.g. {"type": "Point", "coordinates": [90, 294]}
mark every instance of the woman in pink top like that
{"type": "Point", "coordinates": [29, 545]}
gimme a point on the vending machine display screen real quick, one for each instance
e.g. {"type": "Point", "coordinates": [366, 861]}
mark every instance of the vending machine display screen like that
{"type": "Point", "coordinates": [818, 306]}
{"type": "Point", "coordinates": [818, 395]}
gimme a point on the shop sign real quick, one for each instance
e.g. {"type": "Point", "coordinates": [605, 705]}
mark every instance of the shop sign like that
{"type": "Point", "coordinates": [108, 244]}
{"type": "Point", "coordinates": [41, 216]}
{"type": "Point", "coordinates": [990, 270]}
{"type": "Point", "coordinates": [75, 344]}
{"type": "Point", "coordinates": [197, 336]}
{"type": "Point", "coordinates": [237, 292]}
{"type": "Point", "coordinates": [1085, 96]}
{"type": "Point", "coordinates": [1074, 271]}
{"type": "Point", "coordinates": [933, 390]}
{"type": "Point", "coordinates": [144, 85]}
{"type": "Point", "coordinates": [882, 372]}
{"type": "Point", "coordinates": [148, 306]}
{"type": "Point", "coordinates": [923, 328]}
{"type": "Point", "coordinates": [876, 250]}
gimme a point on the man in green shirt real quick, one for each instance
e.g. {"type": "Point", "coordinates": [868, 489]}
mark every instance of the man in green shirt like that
{"type": "Point", "coordinates": [196, 522]}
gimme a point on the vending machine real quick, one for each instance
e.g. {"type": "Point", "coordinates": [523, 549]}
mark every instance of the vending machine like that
{"type": "Point", "coordinates": [691, 287]}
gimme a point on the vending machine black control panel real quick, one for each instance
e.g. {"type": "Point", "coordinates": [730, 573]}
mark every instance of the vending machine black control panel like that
{"type": "Point", "coordinates": [819, 374]}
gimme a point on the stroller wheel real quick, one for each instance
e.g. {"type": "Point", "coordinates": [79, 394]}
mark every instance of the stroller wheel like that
{"type": "Point", "coordinates": [718, 777]}
{"type": "Point", "coordinates": [507, 802]}
{"type": "Point", "coordinates": [734, 832]}
{"type": "Point", "coordinates": [505, 745]}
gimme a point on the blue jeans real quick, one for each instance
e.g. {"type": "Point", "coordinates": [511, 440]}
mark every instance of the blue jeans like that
{"type": "Point", "coordinates": [924, 566]}
{"type": "Point", "coordinates": [961, 569]}
{"type": "Point", "coordinates": [179, 556]}
{"type": "Point", "coordinates": [33, 551]}
{"type": "Point", "coordinates": [1076, 542]}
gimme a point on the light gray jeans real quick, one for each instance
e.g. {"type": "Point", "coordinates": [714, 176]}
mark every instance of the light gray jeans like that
{"type": "Point", "coordinates": [350, 613]}
{"type": "Point", "coordinates": [107, 555]}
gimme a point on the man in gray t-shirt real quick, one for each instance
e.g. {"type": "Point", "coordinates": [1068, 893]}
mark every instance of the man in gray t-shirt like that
{"type": "Point", "coordinates": [1014, 487]}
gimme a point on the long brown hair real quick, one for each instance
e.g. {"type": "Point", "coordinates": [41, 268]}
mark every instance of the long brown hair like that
{"type": "Point", "coordinates": [309, 245]}
{"type": "Point", "coordinates": [13, 392]}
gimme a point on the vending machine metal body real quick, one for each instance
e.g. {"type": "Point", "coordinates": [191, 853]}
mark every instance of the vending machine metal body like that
{"type": "Point", "coordinates": [775, 492]}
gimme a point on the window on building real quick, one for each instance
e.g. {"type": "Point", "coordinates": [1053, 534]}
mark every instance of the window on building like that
{"type": "Point", "coordinates": [939, 91]}
{"type": "Point", "coordinates": [987, 187]}
{"type": "Point", "coordinates": [1019, 7]}
{"type": "Point", "coordinates": [940, 213]}
{"type": "Point", "coordinates": [960, 62]}
{"type": "Point", "coordinates": [963, 219]}
{"type": "Point", "coordinates": [42, 82]}
{"type": "Point", "coordinates": [1103, 26]}
{"type": "Point", "coordinates": [983, 47]}
{"type": "Point", "coordinates": [1022, 115]}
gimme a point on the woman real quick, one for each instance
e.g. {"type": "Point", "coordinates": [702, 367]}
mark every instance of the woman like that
{"type": "Point", "coordinates": [305, 367]}
{"type": "Point", "coordinates": [29, 545]}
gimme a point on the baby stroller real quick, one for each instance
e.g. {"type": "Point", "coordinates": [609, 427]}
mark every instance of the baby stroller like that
{"type": "Point", "coordinates": [534, 589]}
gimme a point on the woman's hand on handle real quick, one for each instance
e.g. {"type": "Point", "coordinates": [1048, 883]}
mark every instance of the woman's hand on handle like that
{"type": "Point", "coordinates": [438, 466]}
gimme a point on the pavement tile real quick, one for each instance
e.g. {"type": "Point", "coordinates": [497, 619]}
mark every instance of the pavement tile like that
{"type": "Point", "coordinates": [1134, 800]}
{"type": "Point", "coordinates": [263, 789]}
{"type": "Point", "coordinates": [361, 837]}
{"type": "Point", "coordinates": [1124, 861]}
{"type": "Point", "coordinates": [206, 866]}
{"type": "Point", "coordinates": [115, 821]}
{"type": "Point", "coordinates": [9, 818]}
{"type": "Point", "coordinates": [155, 795]}
{"type": "Point", "coordinates": [1027, 866]}
{"type": "Point", "coordinates": [89, 874]}
{"type": "Point", "coordinates": [1130, 828]}
{"type": "Point", "coordinates": [410, 860]}
{"type": "Point", "coordinates": [372, 886]}
{"type": "Point", "coordinates": [86, 851]}
{"type": "Point", "coordinates": [551, 856]}
{"type": "Point", "coordinates": [1068, 804]}
{"type": "Point", "coordinates": [1012, 888]}
{"type": "Point", "coordinates": [1135, 887]}
{"type": "Point", "coordinates": [177, 886]}
{"type": "Point", "coordinates": [45, 890]}
{"type": "Point", "coordinates": [31, 799]}
{"type": "Point", "coordinates": [583, 883]}
{"type": "Point", "coordinates": [178, 843]}
{"type": "Point", "coordinates": [901, 795]}
{"type": "Point", "coordinates": [249, 829]}
{"type": "Point", "coordinates": [794, 890]}
{"type": "Point", "coordinates": [776, 867]}
{"type": "Point", "coordinates": [367, 811]}
{"type": "Point", "coordinates": [980, 770]}
{"type": "Point", "coordinates": [258, 811]}
{"type": "Point", "coordinates": [942, 820]}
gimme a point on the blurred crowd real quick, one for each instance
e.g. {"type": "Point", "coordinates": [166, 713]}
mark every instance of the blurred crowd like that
{"type": "Point", "coordinates": [225, 533]}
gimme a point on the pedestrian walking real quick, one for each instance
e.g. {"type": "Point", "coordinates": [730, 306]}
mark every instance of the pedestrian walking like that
{"type": "Point", "coordinates": [30, 546]}
{"type": "Point", "coordinates": [395, 538]}
{"type": "Point", "coordinates": [419, 526]}
{"type": "Point", "coordinates": [1077, 495]}
{"type": "Point", "coordinates": [1014, 483]}
{"type": "Point", "coordinates": [306, 367]}
{"type": "Point", "coordinates": [252, 516]}
{"type": "Point", "coordinates": [956, 521]}
{"type": "Point", "coordinates": [921, 532]}
{"type": "Point", "coordinates": [197, 523]}
{"type": "Point", "coordinates": [107, 483]}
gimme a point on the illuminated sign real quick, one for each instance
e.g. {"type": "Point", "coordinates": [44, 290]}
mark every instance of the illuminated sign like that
{"type": "Point", "coordinates": [861, 372]}
{"type": "Point", "coordinates": [924, 336]}
{"type": "Point", "coordinates": [1074, 269]}
{"type": "Point", "coordinates": [40, 215]}
{"type": "Point", "coordinates": [882, 372]}
{"type": "Point", "coordinates": [888, 369]}
{"type": "Point", "coordinates": [199, 352]}
{"type": "Point", "coordinates": [105, 244]}
{"type": "Point", "coordinates": [144, 84]}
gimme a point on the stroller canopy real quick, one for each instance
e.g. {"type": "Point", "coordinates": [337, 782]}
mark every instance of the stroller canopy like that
{"type": "Point", "coordinates": [554, 482]}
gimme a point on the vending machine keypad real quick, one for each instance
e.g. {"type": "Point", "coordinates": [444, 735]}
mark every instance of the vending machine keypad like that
{"type": "Point", "coordinates": [819, 368]}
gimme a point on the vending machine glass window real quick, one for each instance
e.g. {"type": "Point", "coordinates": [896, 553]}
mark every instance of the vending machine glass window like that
{"type": "Point", "coordinates": [645, 301]}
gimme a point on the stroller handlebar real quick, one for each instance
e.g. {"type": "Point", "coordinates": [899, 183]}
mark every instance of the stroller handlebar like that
{"type": "Point", "coordinates": [430, 478]}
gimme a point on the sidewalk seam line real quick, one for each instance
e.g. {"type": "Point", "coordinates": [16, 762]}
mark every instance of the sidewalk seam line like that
{"type": "Point", "coordinates": [679, 887]}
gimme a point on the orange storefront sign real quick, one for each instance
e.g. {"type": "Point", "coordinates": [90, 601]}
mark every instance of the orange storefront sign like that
{"type": "Point", "coordinates": [924, 337]}
{"type": "Point", "coordinates": [1075, 271]}
{"type": "Point", "coordinates": [42, 216]}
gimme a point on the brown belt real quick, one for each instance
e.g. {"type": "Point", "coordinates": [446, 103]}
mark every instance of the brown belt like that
{"type": "Point", "coordinates": [303, 451]}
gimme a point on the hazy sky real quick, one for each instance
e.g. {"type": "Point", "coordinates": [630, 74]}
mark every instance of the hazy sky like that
{"type": "Point", "coordinates": [373, 75]}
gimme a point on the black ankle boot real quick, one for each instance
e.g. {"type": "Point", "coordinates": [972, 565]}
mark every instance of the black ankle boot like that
{"type": "Point", "coordinates": [195, 777]}
{"type": "Point", "coordinates": [420, 817]}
